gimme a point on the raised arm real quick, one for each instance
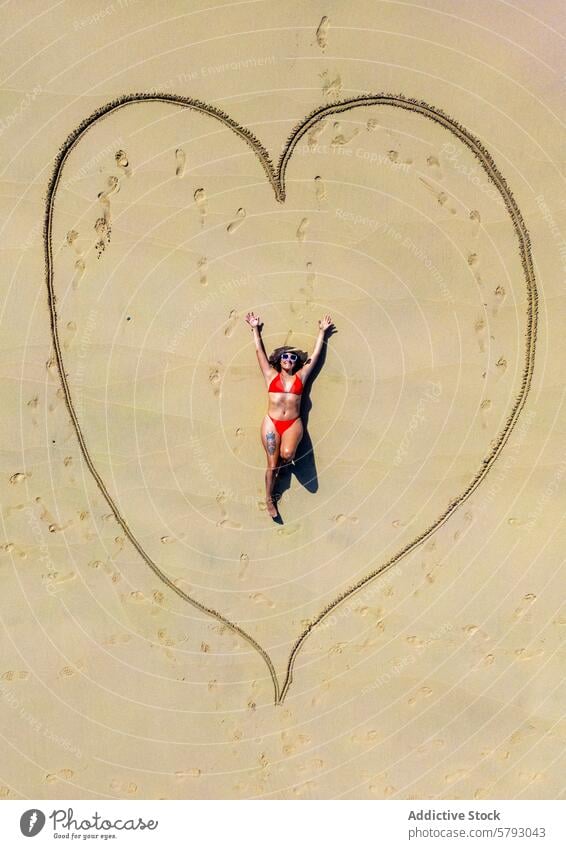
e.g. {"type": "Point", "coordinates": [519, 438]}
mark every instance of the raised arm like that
{"type": "Point", "coordinates": [254, 322]}
{"type": "Point", "coordinates": [323, 326]}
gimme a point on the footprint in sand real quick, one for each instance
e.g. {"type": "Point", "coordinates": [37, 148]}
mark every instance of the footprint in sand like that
{"type": "Point", "coordinates": [11, 675]}
{"type": "Point", "coordinates": [530, 777]}
{"type": "Point", "coordinates": [103, 231]}
{"type": "Point", "coordinates": [302, 230]}
{"type": "Point", "coordinates": [340, 518]}
{"type": "Point", "coordinates": [487, 660]}
{"type": "Point", "coordinates": [12, 548]}
{"type": "Point", "coordinates": [105, 204]}
{"type": "Point", "coordinates": [260, 598]}
{"type": "Point", "coordinates": [501, 366]}
{"type": "Point", "coordinates": [322, 33]}
{"type": "Point", "coordinates": [522, 734]}
{"type": "Point", "coordinates": [314, 134]}
{"type": "Point", "coordinates": [401, 523]}
{"type": "Point", "coordinates": [18, 477]}
{"type": "Point", "coordinates": [372, 124]}
{"type": "Point", "coordinates": [339, 139]}
{"type": "Point", "coordinates": [14, 509]}
{"type": "Point", "coordinates": [485, 408]}
{"type": "Point", "coordinates": [480, 328]}
{"type": "Point", "coordinates": [393, 156]}
{"type": "Point", "coordinates": [516, 522]}
{"type": "Point", "coordinates": [431, 746]}
{"type": "Point", "coordinates": [45, 515]}
{"type": "Point", "coordinates": [194, 772]}
{"type": "Point", "coordinates": [56, 580]}
{"type": "Point", "coordinates": [202, 265]}
{"type": "Point", "coordinates": [526, 602]}
{"type": "Point", "coordinates": [524, 654]}
{"type": "Point", "coordinates": [226, 522]}
{"type": "Point", "coordinates": [309, 766]}
{"type": "Point", "coordinates": [499, 296]}
{"type": "Point", "coordinates": [337, 648]}
{"type": "Point", "coordinates": [468, 519]}
{"type": "Point", "coordinates": [443, 199]}
{"type": "Point", "coordinates": [121, 787]}
{"type": "Point", "coordinates": [473, 261]}
{"type": "Point", "coordinates": [415, 641]}
{"type": "Point", "coordinates": [60, 396]}
{"type": "Point", "coordinates": [231, 324]}
{"type": "Point", "coordinates": [237, 222]}
{"type": "Point", "coordinates": [320, 696]}
{"type": "Point", "coordinates": [434, 165]}
{"type": "Point", "coordinates": [367, 737]}
{"type": "Point", "coordinates": [475, 218]}
{"type": "Point", "coordinates": [122, 162]}
{"type": "Point", "coordinates": [72, 328]}
{"type": "Point", "coordinates": [423, 693]}
{"type": "Point", "coordinates": [80, 268]}
{"type": "Point", "coordinates": [307, 290]}
{"type": "Point", "coordinates": [164, 638]}
{"type": "Point", "coordinates": [457, 775]}
{"type": "Point", "coordinates": [201, 202]}
{"type": "Point", "coordinates": [180, 162]}
{"type": "Point", "coordinates": [113, 184]}
{"type": "Point", "coordinates": [70, 671]}
{"type": "Point", "coordinates": [331, 86]}
{"type": "Point", "coordinates": [368, 643]}
{"type": "Point", "coordinates": [214, 379]}
{"type": "Point", "coordinates": [475, 630]}
{"type": "Point", "coordinates": [244, 566]}
{"type": "Point", "coordinates": [320, 189]}
{"type": "Point", "coordinates": [71, 240]}
{"type": "Point", "coordinates": [104, 198]}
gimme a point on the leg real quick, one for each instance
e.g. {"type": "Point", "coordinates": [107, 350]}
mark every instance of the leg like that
{"type": "Point", "coordinates": [271, 441]}
{"type": "Point", "coordinates": [290, 441]}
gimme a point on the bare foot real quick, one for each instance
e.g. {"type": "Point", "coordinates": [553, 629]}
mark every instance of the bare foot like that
{"type": "Point", "coordinates": [271, 506]}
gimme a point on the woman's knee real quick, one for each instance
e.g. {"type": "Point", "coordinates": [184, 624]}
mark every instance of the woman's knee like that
{"type": "Point", "coordinates": [287, 453]}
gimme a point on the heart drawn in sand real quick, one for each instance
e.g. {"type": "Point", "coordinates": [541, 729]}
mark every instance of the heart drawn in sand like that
{"type": "Point", "coordinates": [276, 178]}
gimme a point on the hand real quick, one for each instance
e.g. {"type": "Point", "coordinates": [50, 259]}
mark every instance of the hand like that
{"type": "Point", "coordinates": [253, 320]}
{"type": "Point", "coordinates": [325, 323]}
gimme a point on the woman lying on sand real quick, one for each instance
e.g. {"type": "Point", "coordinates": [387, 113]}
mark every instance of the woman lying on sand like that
{"type": "Point", "coordinates": [285, 371]}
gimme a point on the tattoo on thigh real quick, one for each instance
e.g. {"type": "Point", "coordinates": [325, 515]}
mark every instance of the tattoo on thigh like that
{"type": "Point", "coordinates": [271, 443]}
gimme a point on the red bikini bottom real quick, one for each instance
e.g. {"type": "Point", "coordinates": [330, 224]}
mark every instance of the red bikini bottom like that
{"type": "Point", "coordinates": [281, 425]}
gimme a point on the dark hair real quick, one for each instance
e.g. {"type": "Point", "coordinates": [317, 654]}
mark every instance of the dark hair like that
{"type": "Point", "coordinates": [274, 358]}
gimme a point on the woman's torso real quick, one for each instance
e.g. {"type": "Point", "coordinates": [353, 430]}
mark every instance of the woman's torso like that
{"type": "Point", "coordinates": [284, 393]}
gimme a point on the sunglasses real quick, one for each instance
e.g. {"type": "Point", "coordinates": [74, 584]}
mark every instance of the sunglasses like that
{"type": "Point", "coordinates": [289, 356]}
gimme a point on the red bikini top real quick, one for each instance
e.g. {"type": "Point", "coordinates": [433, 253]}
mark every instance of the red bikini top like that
{"type": "Point", "coordinates": [276, 385]}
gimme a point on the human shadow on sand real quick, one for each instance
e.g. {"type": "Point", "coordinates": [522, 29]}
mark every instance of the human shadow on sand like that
{"type": "Point", "coordinates": [304, 465]}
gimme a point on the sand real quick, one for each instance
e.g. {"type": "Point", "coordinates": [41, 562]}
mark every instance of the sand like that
{"type": "Point", "coordinates": [398, 633]}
